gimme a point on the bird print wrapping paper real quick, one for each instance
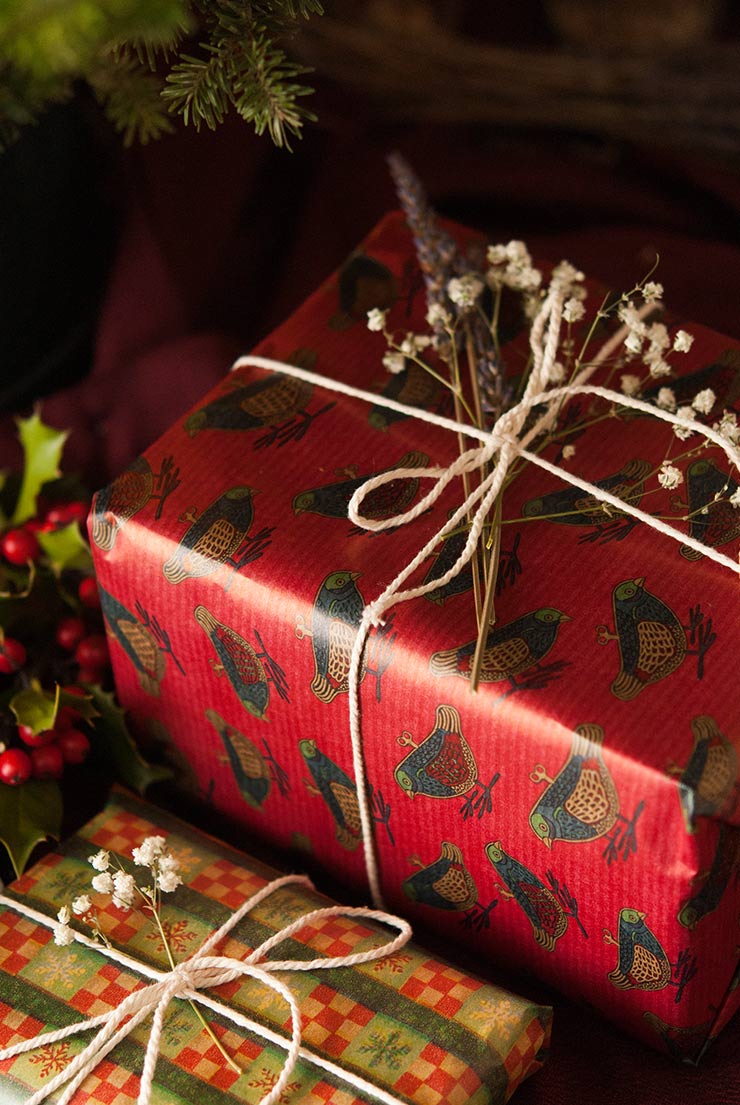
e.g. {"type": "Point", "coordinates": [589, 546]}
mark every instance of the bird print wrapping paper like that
{"type": "Point", "coordinates": [411, 1025]}
{"type": "Point", "coordinates": [578, 816]}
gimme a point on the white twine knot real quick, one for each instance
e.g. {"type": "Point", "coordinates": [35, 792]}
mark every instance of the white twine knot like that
{"type": "Point", "coordinates": [508, 440]}
{"type": "Point", "coordinates": [188, 979]}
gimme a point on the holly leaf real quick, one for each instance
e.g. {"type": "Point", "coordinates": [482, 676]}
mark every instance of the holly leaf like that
{"type": "Point", "coordinates": [42, 448]}
{"type": "Point", "coordinates": [118, 748]}
{"type": "Point", "coordinates": [66, 548]}
{"type": "Point", "coordinates": [35, 707]}
{"type": "Point", "coordinates": [29, 814]}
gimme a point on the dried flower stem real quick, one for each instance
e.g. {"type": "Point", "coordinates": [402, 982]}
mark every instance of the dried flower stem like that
{"type": "Point", "coordinates": [488, 616]}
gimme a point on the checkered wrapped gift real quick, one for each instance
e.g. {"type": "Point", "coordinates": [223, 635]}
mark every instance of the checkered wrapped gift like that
{"type": "Point", "coordinates": [415, 1029]}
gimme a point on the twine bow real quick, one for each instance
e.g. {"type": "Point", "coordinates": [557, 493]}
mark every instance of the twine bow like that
{"type": "Point", "coordinates": [203, 971]}
{"type": "Point", "coordinates": [506, 441]}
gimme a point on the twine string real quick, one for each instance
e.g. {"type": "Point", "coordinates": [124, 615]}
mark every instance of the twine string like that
{"type": "Point", "coordinates": [202, 971]}
{"type": "Point", "coordinates": [505, 442]}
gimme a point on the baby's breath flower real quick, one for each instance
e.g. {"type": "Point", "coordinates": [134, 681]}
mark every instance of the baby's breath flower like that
{"type": "Point", "coordinates": [376, 319]}
{"type": "Point", "coordinates": [101, 860]}
{"type": "Point", "coordinates": [633, 342]}
{"type": "Point", "coordinates": [437, 316]}
{"type": "Point", "coordinates": [81, 905]}
{"type": "Point", "coordinates": [103, 883]}
{"type": "Point", "coordinates": [498, 255]}
{"type": "Point", "coordinates": [556, 374]}
{"type": "Point", "coordinates": [394, 363]}
{"type": "Point", "coordinates": [64, 915]}
{"type": "Point", "coordinates": [669, 476]}
{"type": "Point", "coordinates": [567, 274]}
{"type": "Point", "coordinates": [573, 310]}
{"type": "Point", "coordinates": [168, 863]}
{"type": "Point", "coordinates": [150, 850]}
{"type": "Point", "coordinates": [704, 400]}
{"type": "Point", "coordinates": [659, 368]}
{"type": "Point", "coordinates": [735, 498]}
{"type": "Point", "coordinates": [652, 291]}
{"type": "Point", "coordinates": [728, 427]}
{"type": "Point", "coordinates": [630, 384]}
{"type": "Point", "coordinates": [167, 881]}
{"type": "Point", "coordinates": [124, 890]}
{"type": "Point", "coordinates": [658, 336]}
{"type": "Point", "coordinates": [464, 290]}
{"type": "Point", "coordinates": [63, 935]}
{"type": "Point", "coordinates": [666, 399]}
{"type": "Point", "coordinates": [628, 315]}
{"type": "Point", "coordinates": [682, 432]}
{"type": "Point", "coordinates": [569, 451]}
{"type": "Point", "coordinates": [682, 341]}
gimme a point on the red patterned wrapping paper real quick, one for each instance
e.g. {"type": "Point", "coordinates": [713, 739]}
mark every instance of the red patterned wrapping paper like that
{"type": "Point", "coordinates": [408, 1023]}
{"type": "Point", "coordinates": [577, 817]}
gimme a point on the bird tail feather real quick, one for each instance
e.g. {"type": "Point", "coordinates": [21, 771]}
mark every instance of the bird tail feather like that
{"type": "Point", "coordinates": [587, 740]}
{"type": "Point", "coordinates": [347, 839]}
{"type": "Point", "coordinates": [447, 718]}
{"type": "Point", "coordinates": [627, 686]}
{"type": "Point", "coordinates": [689, 554]}
{"type": "Point", "coordinates": [104, 533]}
{"type": "Point", "coordinates": [636, 469]}
{"type": "Point", "coordinates": [444, 663]}
{"type": "Point", "coordinates": [324, 690]}
{"type": "Point", "coordinates": [618, 979]}
{"type": "Point", "coordinates": [148, 684]}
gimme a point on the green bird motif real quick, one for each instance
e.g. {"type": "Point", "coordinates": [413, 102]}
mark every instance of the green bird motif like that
{"type": "Point", "coordinates": [254, 770]}
{"type": "Point", "coordinates": [581, 802]}
{"type": "Point", "coordinates": [337, 612]}
{"type": "Point", "coordinates": [332, 500]}
{"type": "Point", "coordinates": [510, 649]}
{"type": "Point", "coordinates": [337, 790]}
{"type": "Point", "coordinates": [116, 504]}
{"type": "Point", "coordinates": [541, 906]}
{"type": "Point", "coordinates": [684, 1043]}
{"type": "Point", "coordinates": [642, 964]}
{"type": "Point", "coordinates": [573, 507]}
{"type": "Point", "coordinates": [414, 386]}
{"type": "Point", "coordinates": [444, 884]}
{"type": "Point", "coordinates": [713, 520]}
{"type": "Point", "coordinates": [722, 376]}
{"type": "Point", "coordinates": [708, 784]}
{"type": "Point", "coordinates": [712, 884]}
{"type": "Point", "coordinates": [250, 673]}
{"type": "Point", "coordinates": [141, 637]}
{"type": "Point", "coordinates": [213, 537]}
{"type": "Point", "coordinates": [652, 640]}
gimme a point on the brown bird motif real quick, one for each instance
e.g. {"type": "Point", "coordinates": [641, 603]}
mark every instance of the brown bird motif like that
{"type": "Point", "coordinates": [653, 642]}
{"type": "Point", "coordinates": [642, 963]}
{"type": "Point", "coordinates": [332, 500]}
{"type": "Point", "coordinates": [709, 886]}
{"type": "Point", "coordinates": [572, 507]}
{"type": "Point", "coordinates": [545, 912]}
{"type": "Point", "coordinates": [364, 283]}
{"type": "Point", "coordinates": [214, 537]}
{"type": "Point", "coordinates": [116, 504]}
{"type": "Point", "coordinates": [708, 784]}
{"type": "Point", "coordinates": [445, 884]}
{"type": "Point", "coordinates": [713, 519]}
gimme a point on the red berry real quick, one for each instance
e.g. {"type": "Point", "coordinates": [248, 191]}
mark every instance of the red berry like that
{"type": "Point", "coordinates": [70, 632]}
{"type": "Point", "coordinates": [72, 688]}
{"type": "Point", "coordinates": [73, 745]}
{"type": "Point", "coordinates": [65, 513]}
{"type": "Point", "coordinates": [35, 740]}
{"type": "Point", "coordinates": [66, 718]}
{"type": "Point", "coordinates": [92, 652]}
{"type": "Point", "coordinates": [89, 594]}
{"type": "Point", "coordinates": [88, 675]}
{"type": "Point", "coordinates": [15, 766]}
{"type": "Point", "coordinates": [47, 762]}
{"type": "Point", "coordinates": [19, 546]}
{"type": "Point", "coordinates": [12, 655]}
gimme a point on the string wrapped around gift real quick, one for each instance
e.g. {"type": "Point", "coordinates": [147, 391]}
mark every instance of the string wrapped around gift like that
{"type": "Point", "coordinates": [204, 971]}
{"type": "Point", "coordinates": [508, 440]}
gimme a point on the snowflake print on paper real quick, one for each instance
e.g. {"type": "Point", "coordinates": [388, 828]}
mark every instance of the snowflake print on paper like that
{"type": "Point", "coordinates": [500, 1015]}
{"type": "Point", "coordinates": [51, 1059]}
{"type": "Point", "coordinates": [394, 963]}
{"type": "Point", "coordinates": [176, 1029]}
{"type": "Point", "coordinates": [267, 1080]}
{"type": "Point", "coordinates": [386, 1049]}
{"type": "Point", "coordinates": [178, 936]}
{"type": "Point", "coordinates": [60, 973]}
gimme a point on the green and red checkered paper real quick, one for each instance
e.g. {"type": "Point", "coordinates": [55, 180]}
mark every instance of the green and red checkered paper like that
{"type": "Point", "coordinates": [411, 1024]}
{"type": "Point", "coordinates": [578, 816]}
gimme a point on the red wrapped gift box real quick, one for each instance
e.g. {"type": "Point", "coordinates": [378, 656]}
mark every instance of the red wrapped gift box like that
{"type": "Point", "coordinates": [577, 816]}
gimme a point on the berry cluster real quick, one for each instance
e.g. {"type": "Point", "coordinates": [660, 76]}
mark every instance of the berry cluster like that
{"type": "Point", "coordinates": [56, 638]}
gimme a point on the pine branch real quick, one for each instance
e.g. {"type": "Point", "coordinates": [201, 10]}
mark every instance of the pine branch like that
{"type": "Point", "coordinates": [132, 98]}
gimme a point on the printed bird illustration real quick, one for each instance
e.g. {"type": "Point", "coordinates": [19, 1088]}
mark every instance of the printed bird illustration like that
{"type": "Point", "coordinates": [364, 283]}
{"type": "Point", "coordinates": [213, 537]}
{"type": "Point", "coordinates": [712, 884]}
{"type": "Point", "coordinates": [712, 521]}
{"type": "Point", "coordinates": [332, 500]}
{"type": "Point", "coordinates": [138, 641]}
{"type": "Point", "coordinates": [445, 884]}
{"type": "Point", "coordinates": [722, 376]}
{"type": "Point", "coordinates": [642, 963]}
{"type": "Point", "coordinates": [254, 770]}
{"type": "Point", "coordinates": [570, 506]}
{"type": "Point", "coordinates": [682, 1042]}
{"type": "Point", "coordinates": [337, 611]}
{"type": "Point", "coordinates": [249, 672]}
{"type": "Point", "coordinates": [338, 791]}
{"type": "Point", "coordinates": [414, 386]}
{"type": "Point", "coordinates": [510, 649]}
{"type": "Point", "coordinates": [708, 784]}
{"type": "Point", "coordinates": [581, 802]}
{"type": "Point", "coordinates": [443, 765]}
{"type": "Point", "coordinates": [545, 912]}
{"type": "Point", "coordinates": [129, 493]}
{"type": "Point", "coordinates": [651, 638]}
